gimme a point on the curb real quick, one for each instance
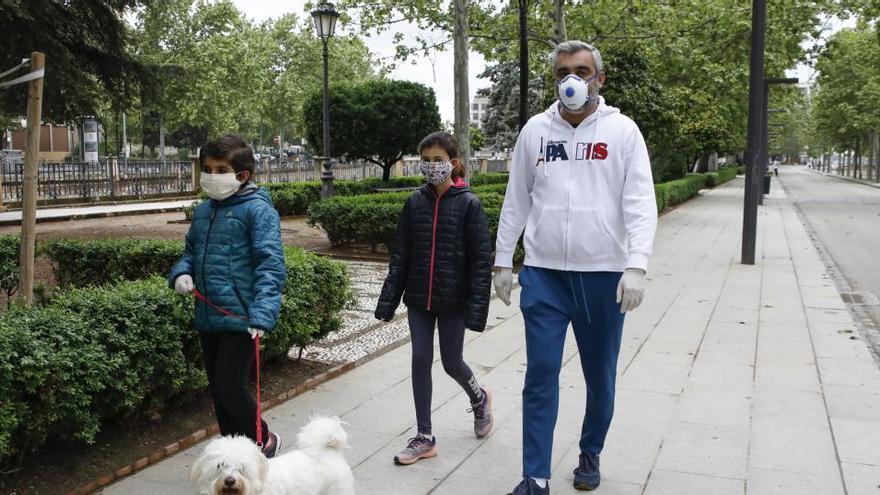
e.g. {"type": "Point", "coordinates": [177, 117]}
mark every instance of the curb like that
{"type": "Point", "coordinates": [207, 432]}
{"type": "Point", "coordinates": [86, 216]}
{"type": "Point", "coordinates": [848, 179]}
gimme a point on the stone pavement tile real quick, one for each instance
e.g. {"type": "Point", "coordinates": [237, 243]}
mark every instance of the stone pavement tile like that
{"type": "Point", "coordinates": [709, 372]}
{"type": "Point", "coordinates": [833, 316]}
{"type": "Point", "coordinates": [772, 482]}
{"type": "Point", "coordinates": [403, 480]}
{"type": "Point", "coordinates": [736, 312]}
{"type": "Point", "coordinates": [730, 342]}
{"type": "Point", "coordinates": [838, 342]}
{"type": "Point", "coordinates": [463, 485]}
{"type": "Point", "coordinates": [855, 373]}
{"type": "Point", "coordinates": [848, 402]}
{"type": "Point", "coordinates": [798, 449]}
{"type": "Point", "coordinates": [789, 407]}
{"type": "Point", "coordinates": [174, 470]}
{"type": "Point", "coordinates": [363, 444]}
{"type": "Point", "coordinates": [709, 406]}
{"type": "Point", "coordinates": [498, 456]}
{"type": "Point", "coordinates": [791, 375]}
{"type": "Point", "coordinates": [789, 351]}
{"type": "Point", "coordinates": [857, 441]}
{"type": "Point", "coordinates": [822, 298]}
{"type": "Point", "coordinates": [785, 332]}
{"type": "Point", "coordinates": [673, 483]}
{"type": "Point", "coordinates": [787, 313]}
{"type": "Point", "coordinates": [136, 485]}
{"type": "Point", "coordinates": [671, 338]}
{"type": "Point", "coordinates": [861, 479]}
{"type": "Point", "coordinates": [651, 373]}
{"type": "Point", "coordinates": [705, 449]}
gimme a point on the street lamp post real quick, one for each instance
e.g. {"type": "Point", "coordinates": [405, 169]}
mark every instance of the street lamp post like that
{"type": "Point", "coordinates": [325, 16]}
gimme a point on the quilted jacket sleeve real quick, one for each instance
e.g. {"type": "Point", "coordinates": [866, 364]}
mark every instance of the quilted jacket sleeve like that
{"type": "Point", "coordinates": [270, 272]}
{"type": "Point", "coordinates": [479, 267]}
{"type": "Point", "coordinates": [184, 265]}
{"type": "Point", "coordinates": [395, 282]}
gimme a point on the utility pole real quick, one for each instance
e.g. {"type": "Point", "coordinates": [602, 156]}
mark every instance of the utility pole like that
{"type": "Point", "coordinates": [29, 198]}
{"type": "Point", "coordinates": [753, 146]}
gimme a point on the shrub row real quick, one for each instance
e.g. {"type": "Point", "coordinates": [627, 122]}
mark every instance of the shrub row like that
{"type": "Point", "coordinates": [721, 176]}
{"type": "Point", "coordinates": [10, 266]}
{"type": "Point", "coordinates": [294, 198]}
{"type": "Point", "coordinates": [678, 191]}
{"type": "Point", "coordinates": [95, 353]}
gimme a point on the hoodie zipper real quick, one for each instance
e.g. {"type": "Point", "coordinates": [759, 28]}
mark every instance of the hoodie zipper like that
{"type": "Point", "coordinates": [434, 247]}
{"type": "Point", "coordinates": [207, 237]}
{"type": "Point", "coordinates": [571, 161]}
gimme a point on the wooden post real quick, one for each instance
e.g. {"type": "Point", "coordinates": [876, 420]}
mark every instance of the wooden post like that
{"type": "Point", "coordinates": [484, 165]}
{"type": "Point", "coordinates": [29, 197]}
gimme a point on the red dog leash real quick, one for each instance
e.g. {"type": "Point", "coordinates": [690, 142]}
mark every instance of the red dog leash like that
{"type": "Point", "coordinates": [201, 297]}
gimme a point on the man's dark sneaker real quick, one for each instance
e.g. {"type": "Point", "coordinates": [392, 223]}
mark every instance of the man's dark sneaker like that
{"type": "Point", "coordinates": [482, 415]}
{"type": "Point", "coordinates": [419, 447]}
{"type": "Point", "coordinates": [272, 446]}
{"type": "Point", "coordinates": [528, 486]}
{"type": "Point", "coordinates": [586, 475]}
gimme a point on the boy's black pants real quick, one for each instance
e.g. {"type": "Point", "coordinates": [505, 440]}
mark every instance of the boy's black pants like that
{"type": "Point", "coordinates": [229, 359]}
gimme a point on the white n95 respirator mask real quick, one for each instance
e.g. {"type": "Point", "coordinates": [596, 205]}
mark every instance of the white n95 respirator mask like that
{"type": "Point", "coordinates": [575, 93]}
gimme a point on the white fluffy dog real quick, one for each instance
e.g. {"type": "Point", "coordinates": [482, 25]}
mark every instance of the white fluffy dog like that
{"type": "Point", "coordinates": [235, 465]}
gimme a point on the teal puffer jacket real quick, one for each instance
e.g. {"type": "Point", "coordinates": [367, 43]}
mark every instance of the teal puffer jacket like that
{"type": "Point", "coordinates": [235, 257]}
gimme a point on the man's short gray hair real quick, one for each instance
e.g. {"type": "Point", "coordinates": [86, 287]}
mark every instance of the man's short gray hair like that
{"type": "Point", "coordinates": [574, 46]}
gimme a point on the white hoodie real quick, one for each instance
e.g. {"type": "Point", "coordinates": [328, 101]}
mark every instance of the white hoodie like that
{"type": "Point", "coordinates": [584, 194]}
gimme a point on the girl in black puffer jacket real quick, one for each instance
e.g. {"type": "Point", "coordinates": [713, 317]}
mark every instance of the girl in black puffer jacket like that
{"type": "Point", "coordinates": [441, 265]}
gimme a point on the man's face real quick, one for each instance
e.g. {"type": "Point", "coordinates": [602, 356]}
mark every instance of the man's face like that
{"type": "Point", "coordinates": [579, 63]}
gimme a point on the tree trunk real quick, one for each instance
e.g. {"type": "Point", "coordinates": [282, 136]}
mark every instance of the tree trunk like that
{"type": "Point", "coordinates": [559, 15]}
{"type": "Point", "coordinates": [386, 171]}
{"type": "Point", "coordinates": [875, 144]}
{"type": "Point", "coordinates": [462, 93]}
{"type": "Point", "coordinates": [162, 138]}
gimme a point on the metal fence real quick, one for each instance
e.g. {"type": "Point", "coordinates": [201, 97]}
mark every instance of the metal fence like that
{"type": "Point", "coordinates": [120, 179]}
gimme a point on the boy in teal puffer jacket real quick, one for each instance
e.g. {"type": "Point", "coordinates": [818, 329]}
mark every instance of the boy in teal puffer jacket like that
{"type": "Point", "coordinates": [234, 258]}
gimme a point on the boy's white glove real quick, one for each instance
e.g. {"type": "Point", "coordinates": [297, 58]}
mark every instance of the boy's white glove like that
{"type": "Point", "coordinates": [183, 285]}
{"type": "Point", "coordinates": [631, 289]}
{"type": "Point", "coordinates": [256, 332]}
{"type": "Point", "coordinates": [503, 281]}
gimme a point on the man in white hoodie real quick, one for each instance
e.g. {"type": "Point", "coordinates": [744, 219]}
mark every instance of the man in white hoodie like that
{"type": "Point", "coordinates": [581, 187]}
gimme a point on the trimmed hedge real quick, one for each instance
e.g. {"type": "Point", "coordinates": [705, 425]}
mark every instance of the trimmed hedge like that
{"type": "Point", "coordinates": [10, 264]}
{"type": "Point", "coordinates": [721, 176]}
{"type": "Point", "coordinates": [96, 353]}
{"type": "Point", "coordinates": [678, 191]}
{"type": "Point", "coordinates": [78, 263]}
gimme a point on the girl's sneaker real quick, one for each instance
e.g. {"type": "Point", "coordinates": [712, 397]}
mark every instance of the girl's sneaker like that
{"type": "Point", "coordinates": [419, 447]}
{"type": "Point", "coordinates": [483, 415]}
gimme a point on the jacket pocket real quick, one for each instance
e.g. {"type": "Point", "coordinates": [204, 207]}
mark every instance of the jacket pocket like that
{"type": "Point", "coordinates": [543, 235]}
{"type": "Point", "coordinates": [589, 237]}
{"type": "Point", "coordinates": [241, 301]}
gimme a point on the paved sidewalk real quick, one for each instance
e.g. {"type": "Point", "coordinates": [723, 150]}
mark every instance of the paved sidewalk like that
{"type": "Point", "coordinates": [733, 379]}
{"type": "Point", "coordinates": [80, 212]}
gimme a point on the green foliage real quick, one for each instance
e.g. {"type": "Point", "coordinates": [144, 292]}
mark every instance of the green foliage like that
{"type": "Point", "coordinates": [678, 191]}
{"type": "Point", "coordinates": [723, 175]}
{"type": "Point", "coordinates": [477, 138]}
{"type": "Point", "coordinates": [10, 264]}
{"type": "Point", "coordinates": [78, 263]}
{"type": "Point", "coordinates": [51, 369]}
{"type": "Point", "coordinates": [378, 121]}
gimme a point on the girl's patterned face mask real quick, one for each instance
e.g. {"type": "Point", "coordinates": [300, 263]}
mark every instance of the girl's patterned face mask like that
{"type": "Point", "coordinates": [436, 172]}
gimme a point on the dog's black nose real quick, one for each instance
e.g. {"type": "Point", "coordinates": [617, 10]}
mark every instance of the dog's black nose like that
{"type": "Point", "coordinates": [229, 481]}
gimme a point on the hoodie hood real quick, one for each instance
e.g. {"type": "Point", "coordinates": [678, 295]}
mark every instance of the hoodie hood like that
{"type": "Point", "coordinates": [250, 192]}
{"type": "Point", "coordinates": [602, 110]}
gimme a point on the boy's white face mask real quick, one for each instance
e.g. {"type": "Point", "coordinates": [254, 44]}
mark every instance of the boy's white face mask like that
{"type": "Point", "coordinates": [220, 186]}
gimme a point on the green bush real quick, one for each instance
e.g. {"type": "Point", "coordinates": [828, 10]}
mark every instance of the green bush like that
{"type": "Point", "coordinates": [10, 264]}
{"type": "Point", "coordinates": [51, 368]}
{"type": "Point", "coordinates": [678, 191]}
{"type": "Point", "coordinates": [77, 263]}
{"type": "Point", "coordinates": [721, 176]}
{"type": "Point", "coordinates": [152, 350]}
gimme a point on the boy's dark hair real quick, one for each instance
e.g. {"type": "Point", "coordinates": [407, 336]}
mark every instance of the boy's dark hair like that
{"type": "Point", "coordinates": [449, 144]}
{"type": "Point", "coordinates": [230, 148]}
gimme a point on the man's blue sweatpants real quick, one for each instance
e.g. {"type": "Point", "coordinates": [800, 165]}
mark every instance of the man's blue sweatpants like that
{"type": "Point", "coordinates": [550, 300]}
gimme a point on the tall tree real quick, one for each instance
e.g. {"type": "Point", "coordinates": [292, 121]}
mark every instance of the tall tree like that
{"type": "Point", "coordinates": [87, 58]}
{"type": "Point", "coordinates": [460, 76]}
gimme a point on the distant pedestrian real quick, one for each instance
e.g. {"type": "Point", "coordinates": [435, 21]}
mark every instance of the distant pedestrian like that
{"type": "Point", "coordinates": [441, 267]}
{"type": "Point", "coordinates": [234, 263]}
{"type": "Point", "coordinates": [776, 167]}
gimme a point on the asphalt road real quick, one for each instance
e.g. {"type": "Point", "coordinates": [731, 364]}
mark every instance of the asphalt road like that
{"type": "Point", "coordinates": [845, 217]}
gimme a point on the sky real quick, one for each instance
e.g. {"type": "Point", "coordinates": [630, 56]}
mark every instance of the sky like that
{"type": "Point", "coordinates": [435, 72]}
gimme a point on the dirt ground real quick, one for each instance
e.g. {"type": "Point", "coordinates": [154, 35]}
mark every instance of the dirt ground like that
{"type": "Point", "coordinates": [295, 231]}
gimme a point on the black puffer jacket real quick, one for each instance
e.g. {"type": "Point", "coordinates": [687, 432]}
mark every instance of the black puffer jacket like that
{"type": "Point", "coordinates": [441, 260]}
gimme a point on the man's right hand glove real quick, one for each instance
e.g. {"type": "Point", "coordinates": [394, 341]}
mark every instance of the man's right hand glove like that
{"type": "Point", "coordinates": [183, 285]}
{"type": "Point", "coordinates": [503, 281]}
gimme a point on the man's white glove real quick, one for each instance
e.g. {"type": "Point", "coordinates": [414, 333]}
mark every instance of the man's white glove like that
{"type": "Point", "coordinates": [256, 332]}
{"type": "Point", "coordinates": [503, 281]}
{"type": "Point", "coordinates": [631, 289]}
{"type": "Point", "coordinates": [184, 285]}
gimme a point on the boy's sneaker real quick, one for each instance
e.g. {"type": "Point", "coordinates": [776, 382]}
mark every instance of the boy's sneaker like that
{"type": "Point", "coordinates": [528, 486]}
{"type": "Point", "coordinates": [419, 447]}
{"type": "Point", "coordinates": [272, 446]}
{"type": "Point", "coordinates": [586, 475]}
{"type": "Point", "coordinates": [482, 415]}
